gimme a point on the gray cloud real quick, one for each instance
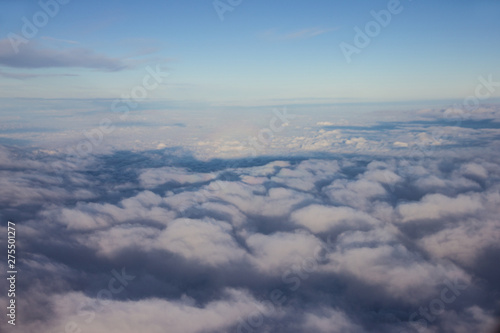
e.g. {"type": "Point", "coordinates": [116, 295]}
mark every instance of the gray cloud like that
{"type": "Point", "coordinates": [33, 55]}
{"type": "Point", "coordinates": [23, 76]}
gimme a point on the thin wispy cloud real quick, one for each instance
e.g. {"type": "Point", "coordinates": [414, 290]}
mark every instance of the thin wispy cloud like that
{"type": "Point", "coordinates": [33, 55]}
{"type": "Point", "coordinates": [23, 76]}
{"type": "Point", "coordinates": [52, 39]}
{"type": "Point", "coordinates": [274, 34]}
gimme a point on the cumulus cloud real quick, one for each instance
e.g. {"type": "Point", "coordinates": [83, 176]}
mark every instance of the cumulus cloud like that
{"type": "Point", "coordinates": [88, 216]}
{"type": "Point", "coordinates": [153, 177]}
{"type": "Point", "coordinates": [463, 243]}
{"type": "Point", "coordinates": [208, 242]}
{"type": "Point", "coordinates": [154, 240]}
{"type": "Point", "coordinates": [319, 218]}
{"type": "Point", "coordinates": [436, 206]}
{"type": "Point", "coordinates": [275, 253]}
{"type": "Point", "coordinates": [329, 321]}
{"type": "Point", "coordinates": [475, 170]}
{"type": "Point", "coordinates": [153, 315]}
{"type": "Point", "coordinates": [393, 267]}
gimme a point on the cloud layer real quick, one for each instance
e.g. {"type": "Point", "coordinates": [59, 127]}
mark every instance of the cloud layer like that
{"type": "Point", "coordinates": [287, 245]}
{"type": "Point", "coordinates": [379, 239]}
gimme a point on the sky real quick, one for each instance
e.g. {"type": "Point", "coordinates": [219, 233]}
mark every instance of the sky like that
{"type": "Point", "coordinates": [257, 53]}
{"type": "Point", "coordinates": [250, 166]}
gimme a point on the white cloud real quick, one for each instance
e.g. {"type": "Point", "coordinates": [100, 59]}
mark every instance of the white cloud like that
{"type": "Point", "coordinates": [463, 243]}
{"type": "Point", "coordinates": [153, 177]}
{"type": "Point", "coordinates": [435, 206]}
{"type": "Point", "coordinates": [88, 216]}
{"type": "Point", "coordinates": [155, 315]}
{"type": "Point", "coordinates": [318, 218]}
{"type": "Point", "coordinates": [329, 320]}
{"type": "Point", "coordinates": [207, 241]}
{"type": "Point", "coordinates": [275, 253]}
{"type": "Point", "coordinates": [378, 260]}
{"type": "Point", "coordinates": [264, 220]}
{"type": "Point", "coordinates": [474, 169]}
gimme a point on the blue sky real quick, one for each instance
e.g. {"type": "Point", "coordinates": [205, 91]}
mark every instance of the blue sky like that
{"type": "Point", "coordinates": [285, 51]}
